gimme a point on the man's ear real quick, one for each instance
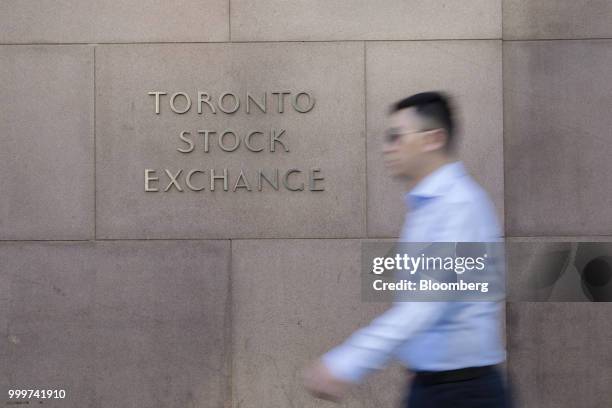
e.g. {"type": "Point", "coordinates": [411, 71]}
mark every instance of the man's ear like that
{"type": "Point", "coordinates": [434, 139]}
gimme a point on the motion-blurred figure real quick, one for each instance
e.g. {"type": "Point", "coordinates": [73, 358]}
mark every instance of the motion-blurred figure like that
{"type": "Point", "coordinates": [453, 348]}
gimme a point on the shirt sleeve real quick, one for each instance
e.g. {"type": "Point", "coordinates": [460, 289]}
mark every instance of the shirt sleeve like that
{"type": "Point", "coordinates": [370, 348]}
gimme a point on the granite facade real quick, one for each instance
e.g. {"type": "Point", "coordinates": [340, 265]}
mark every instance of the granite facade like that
{"type": "Point", "coordinates": [180, 295]}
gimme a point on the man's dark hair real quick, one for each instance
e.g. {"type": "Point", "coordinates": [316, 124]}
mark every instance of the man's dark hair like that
{"type": "Point", "coordinates": [433, 106]}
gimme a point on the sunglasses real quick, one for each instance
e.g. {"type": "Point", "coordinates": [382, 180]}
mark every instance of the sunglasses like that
{"type": "Point", "coordinates": [393, 136]}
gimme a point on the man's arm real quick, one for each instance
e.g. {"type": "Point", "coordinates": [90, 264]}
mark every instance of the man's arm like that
{"type": "Point", "coordinates": [369, 348]}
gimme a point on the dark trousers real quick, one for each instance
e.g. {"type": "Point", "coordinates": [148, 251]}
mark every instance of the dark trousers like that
{"type": "Point", "coordinates": [485, 391]}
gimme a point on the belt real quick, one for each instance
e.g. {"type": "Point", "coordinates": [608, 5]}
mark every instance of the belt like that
{"type": "Point", "coordinates": [461, 374]}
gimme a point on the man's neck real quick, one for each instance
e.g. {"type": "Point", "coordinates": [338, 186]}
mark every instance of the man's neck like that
{"type": "Point", "coordinates": [428, 169]}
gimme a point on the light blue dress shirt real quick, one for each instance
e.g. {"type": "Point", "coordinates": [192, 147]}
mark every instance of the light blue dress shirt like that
{"type": "Point", "coordinates": [446, 206]}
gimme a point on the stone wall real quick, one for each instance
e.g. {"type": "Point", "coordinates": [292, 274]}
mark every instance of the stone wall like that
{"type": "Point", "coordinates": [127, 297]}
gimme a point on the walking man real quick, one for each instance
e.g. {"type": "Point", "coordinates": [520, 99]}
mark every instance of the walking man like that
{"type": "Point", "coordinates": [453, 348]}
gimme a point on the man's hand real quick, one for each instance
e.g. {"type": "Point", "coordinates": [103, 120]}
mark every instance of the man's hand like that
{"type": "Point", "coordinates": [320, 382]}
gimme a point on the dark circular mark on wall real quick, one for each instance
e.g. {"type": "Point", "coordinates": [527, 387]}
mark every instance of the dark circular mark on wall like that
{"type": "Point", "coordinates": [597, 272]}
{"type": "Point", "coordinates": [596, 279]}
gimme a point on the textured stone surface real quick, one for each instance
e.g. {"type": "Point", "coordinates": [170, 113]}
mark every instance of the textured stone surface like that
{"type": "Point", "coordinates": [131, 137]}
{"type": "Point", "coordinates": [48, 338]}
{"type": "Point", "coordinates": [46, 148]}
{"type": "Point", "coordinates": [118, 323]}
{"type": "Point", "coordinates": [568, 19]}
{"type": "Point", "coordinates": [557, 137]}
{"type": "Point", "coordinates": [70, 21]}
{"type": "Point", "coordinates": [294, 300]}
{"type": "Point", "coordinates": [282, 20]}
{"type": "Point", "coordinates": [470, 71]}
{"type": "Point", "coordinates": [559, 354]}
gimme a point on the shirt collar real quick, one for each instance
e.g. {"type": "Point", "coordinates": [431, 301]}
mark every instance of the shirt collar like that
{"type": "Point", "coordinates": [434, 184]}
